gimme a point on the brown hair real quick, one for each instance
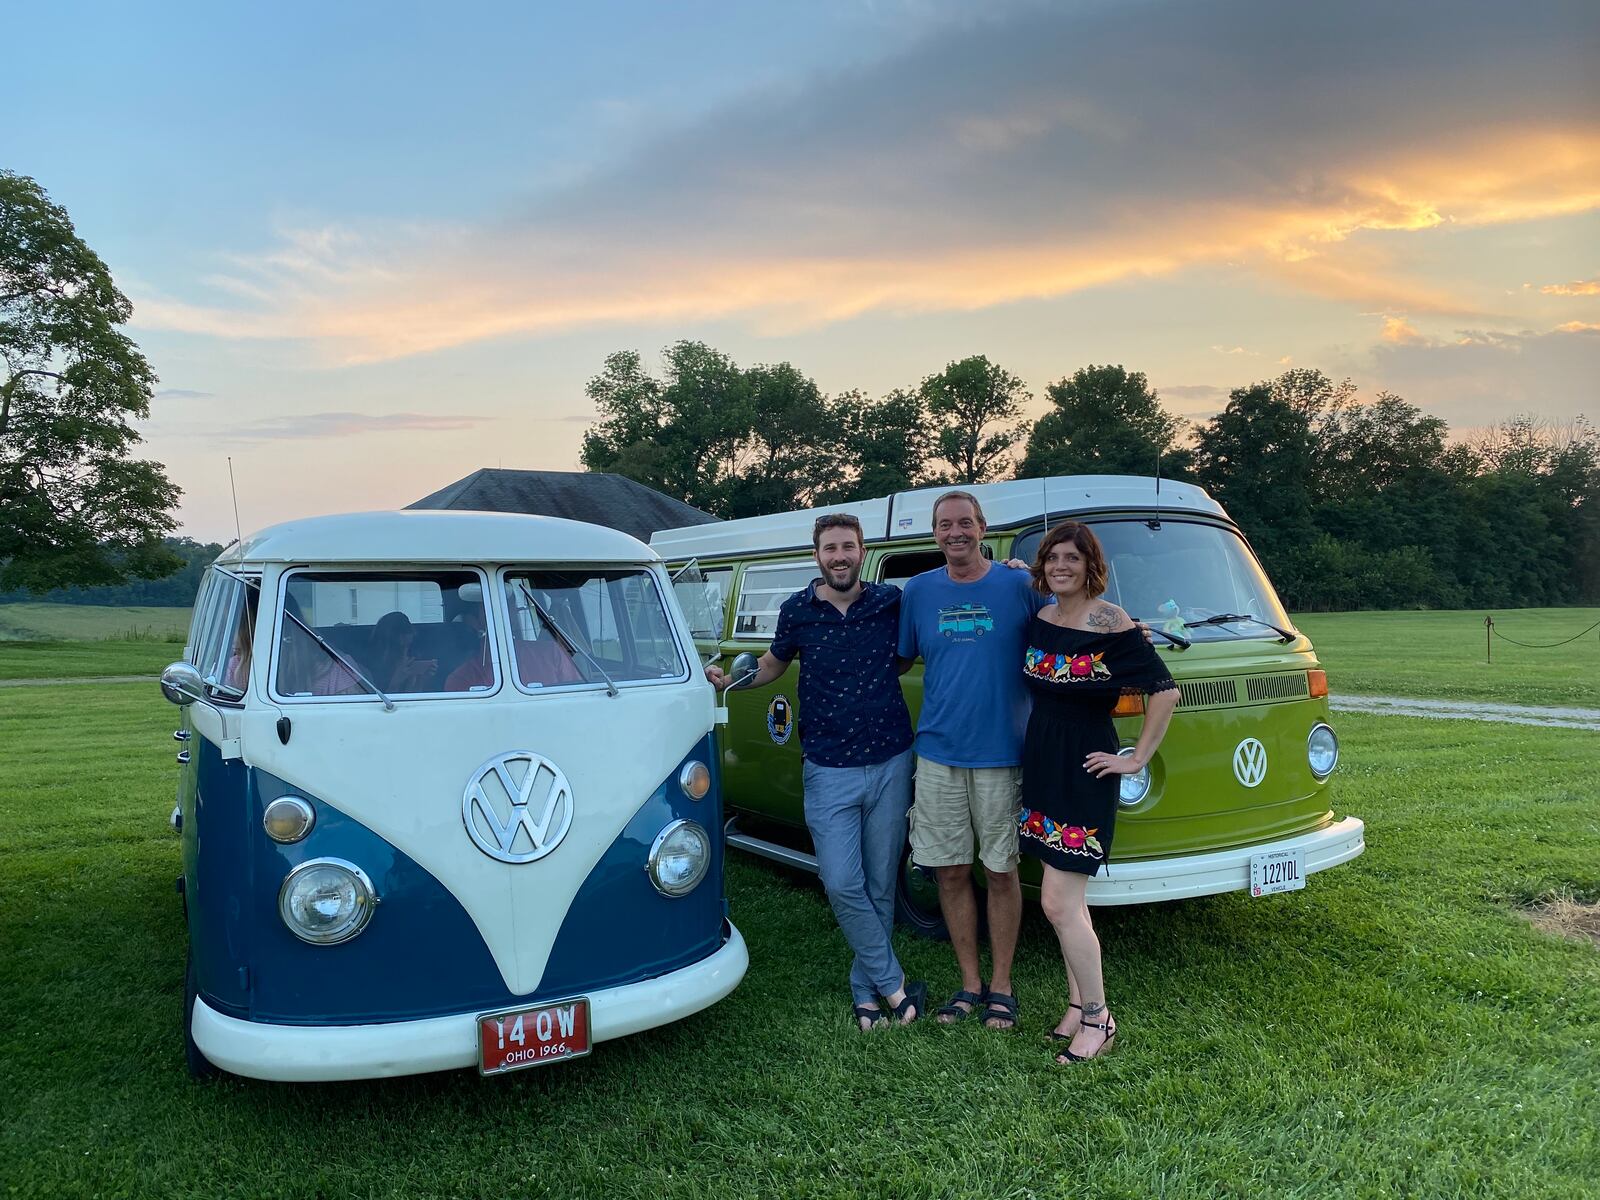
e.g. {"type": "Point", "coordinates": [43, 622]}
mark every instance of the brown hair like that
{"type": "Point", "coordinates": [968, 497]}
{"type": "Point", "coordinates": [1094, 559]}
{"type": "Point", "coordinates": [838, 520]}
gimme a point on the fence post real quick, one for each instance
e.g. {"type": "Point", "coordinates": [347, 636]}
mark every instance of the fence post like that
{"type": "Point", "coordinates": [1488, 650]}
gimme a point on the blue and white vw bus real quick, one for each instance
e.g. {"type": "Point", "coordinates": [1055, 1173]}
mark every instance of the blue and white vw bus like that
{"type": "Point", "coordinates": [448, 799]}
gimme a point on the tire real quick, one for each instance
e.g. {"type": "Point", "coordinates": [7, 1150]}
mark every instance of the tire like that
{"type": "Point", "coordinates": [916, 901]}
{"type": "Point", "coordinates": [200, 1067]}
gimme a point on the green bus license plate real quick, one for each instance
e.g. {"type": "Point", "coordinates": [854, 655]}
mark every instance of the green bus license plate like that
{"type": "Point", "coordinates": [532, 1037]}
{"type": "Point", "coordinates": [1280, 871]}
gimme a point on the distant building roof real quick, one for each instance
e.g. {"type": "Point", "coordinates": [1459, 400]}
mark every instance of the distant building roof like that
{"type": "Point", "coordinates": [600, 499]}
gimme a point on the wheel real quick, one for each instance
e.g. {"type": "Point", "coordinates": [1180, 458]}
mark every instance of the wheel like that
{"type": "Point", "coordinates": [916, 900]}
{"type": "Point", "coordinates": [200, 1067]}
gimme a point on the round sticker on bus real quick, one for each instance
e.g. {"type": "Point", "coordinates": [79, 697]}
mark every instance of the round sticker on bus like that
{"type": "Point", "coordinates": [780, 719]}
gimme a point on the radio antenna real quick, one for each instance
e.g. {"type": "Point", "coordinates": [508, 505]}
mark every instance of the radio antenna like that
{"type": "Point", "coordinates": [232, 487]}
{"type": "Point", "coordinates": [1156, 524]}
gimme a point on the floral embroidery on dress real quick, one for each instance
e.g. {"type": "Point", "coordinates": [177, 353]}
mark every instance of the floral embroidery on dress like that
{"type": "Point", "coordinates": [1065, 668]}
{"type": "Point", "coordinates": [1069, 839]}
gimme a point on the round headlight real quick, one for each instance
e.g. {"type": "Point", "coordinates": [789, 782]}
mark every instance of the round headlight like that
{"type": "Point", "coordinates": [1322, 751]}
{"type": "Point", "coordinates": [326, 900]}
{"type": "Point", "coordinates": [288, 819]}
{"type": "Point", "coordinates": [679, 858]}
{"type": "Point", "coordinates": [695, 779]}
{"type": "Point", "coordinates": [1135, 787]}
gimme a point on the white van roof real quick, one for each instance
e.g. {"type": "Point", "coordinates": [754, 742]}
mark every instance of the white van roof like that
{"type": "Point", "coordinates": [1010, 504]}
{"type": "Point", "coordinates": [433, 536]}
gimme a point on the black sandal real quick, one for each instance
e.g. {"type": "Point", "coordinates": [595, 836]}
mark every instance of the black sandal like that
{"type": "Point", "coordinates": [1065, 1056]}
{"type": "Point", "coordinates": [1000, 1006]}
{"type": "Point", "coordinates": [953, 1008]}
{"type": "Point", "coordinates": [916, 997]}
{"type": "Point", "coordinates": [1066, 1037]}
{"type": "Point", "coordinates": [873, 1016]}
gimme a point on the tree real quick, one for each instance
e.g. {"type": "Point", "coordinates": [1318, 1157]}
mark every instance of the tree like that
{"type": "Point", "coordinates": [75, 508]}
{"type": "Point", "coordinates": [677, 435]}
{"type": "Point", "coordinates": [885, 445]}
{"type": "Point", "coordinates": [964, 401]}
{"type": "Point", "coordinates": [1106, 421]}
{"type": "Point", "coordinates": [791, 453]}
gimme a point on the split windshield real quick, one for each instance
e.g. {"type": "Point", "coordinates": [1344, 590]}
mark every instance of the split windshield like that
{"type": "Point", "coordinates": [593, 625]}
{"type": "Point", "coordinates": [1182, 573]}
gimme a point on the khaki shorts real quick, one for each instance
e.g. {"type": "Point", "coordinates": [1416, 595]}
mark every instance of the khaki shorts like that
{"type": "Point", "coordinates": [954, 805]}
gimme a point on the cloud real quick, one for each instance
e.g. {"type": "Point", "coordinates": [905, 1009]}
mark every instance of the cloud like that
{"type": "Point", "coordinates": [1578, 287]}
{"type": "Point", "coordinates": [1477, 377]}
{"type": "Point", "coordinates": [342, 424]}
{"type": "Point", "coordinates": [183, 394]}
{"type": "Point", "coordinates": [1041, 152]}
{"type": "Point", "coordinates": [1398, 329]}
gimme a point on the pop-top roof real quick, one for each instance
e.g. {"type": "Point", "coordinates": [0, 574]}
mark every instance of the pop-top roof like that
{"type": "Point", "coordinates": [1007, 505]}
{"type": "Point", "coordinates": [437, 537]}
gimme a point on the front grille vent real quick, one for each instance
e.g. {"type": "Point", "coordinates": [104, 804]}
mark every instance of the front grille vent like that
{"type": "Point", "coordinates": [1276, 687]}
{"type": "Point", "coordinates": [1207, 693]}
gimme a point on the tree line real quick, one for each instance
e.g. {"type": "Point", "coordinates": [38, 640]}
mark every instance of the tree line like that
{"type": "Point", "coordinates": [1350, 502]}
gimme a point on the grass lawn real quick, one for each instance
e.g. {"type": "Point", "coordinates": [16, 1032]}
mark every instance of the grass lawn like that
{"type": "Point", "coordinates": [1394, 1029]}
{"type": "Point", "coordinates": [90, 622]}
{"type": "Point", "coordinates": [1441, 654]}
{"type": "Point", "coordinates": [81, 660]}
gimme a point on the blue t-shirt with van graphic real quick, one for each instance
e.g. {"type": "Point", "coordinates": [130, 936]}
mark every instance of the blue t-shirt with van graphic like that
{"type": "Point", "coordinates": [971, 638]}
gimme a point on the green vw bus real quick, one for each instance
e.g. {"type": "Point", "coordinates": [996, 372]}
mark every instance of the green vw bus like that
{"type": "Point", "coordinates": [1236, 799]}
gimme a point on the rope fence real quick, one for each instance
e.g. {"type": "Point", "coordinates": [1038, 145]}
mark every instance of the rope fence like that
{"type": "Point", "coordinates": [1488, 644]}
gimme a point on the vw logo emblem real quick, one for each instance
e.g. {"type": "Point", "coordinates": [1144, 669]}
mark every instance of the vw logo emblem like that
{"type": "Point", "coordinates": [1250, 762]}
{"type": "Point", "coordinates": [517, 807]}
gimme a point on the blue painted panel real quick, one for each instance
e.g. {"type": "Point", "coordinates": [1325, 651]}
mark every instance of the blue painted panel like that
{"type": "Point", "coordinates": [217, 835]}
{"type": "Point", "coordinates": [422, 955]}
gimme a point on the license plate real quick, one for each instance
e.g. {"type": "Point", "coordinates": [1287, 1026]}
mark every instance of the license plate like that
{"type": "Point", "coordinates": [532, 1037]}
{"type": "Point", "coordinates": [1280, 871]}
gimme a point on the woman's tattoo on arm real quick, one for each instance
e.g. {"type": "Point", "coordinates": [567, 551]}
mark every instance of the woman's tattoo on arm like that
{"type": "Point", "coordinates": [1104, 616]}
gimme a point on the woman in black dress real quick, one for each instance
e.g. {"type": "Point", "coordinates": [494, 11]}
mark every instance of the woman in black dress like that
{"type": "Point", "coordinates": [1083, 652]}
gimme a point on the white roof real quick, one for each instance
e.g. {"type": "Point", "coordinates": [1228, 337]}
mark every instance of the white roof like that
{"type": "Point", "coordinates": [1007, 505]}
{"type": "Point", "coordinates": [435, 536]}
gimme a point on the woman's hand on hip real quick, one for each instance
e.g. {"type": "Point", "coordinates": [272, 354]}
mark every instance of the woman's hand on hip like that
{"type": "Point", "coordinates": [1100, 764]}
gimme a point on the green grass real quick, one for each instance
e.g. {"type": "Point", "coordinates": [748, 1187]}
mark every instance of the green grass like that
{"type": "Point", "coordinates": [82, 660]}
{"type": "Point", "coordinates": [1441, 654]}
{"type": "Point", "coordinates": [82, 622]}
{"type": "Point", "coordinates": [1395, 1029]}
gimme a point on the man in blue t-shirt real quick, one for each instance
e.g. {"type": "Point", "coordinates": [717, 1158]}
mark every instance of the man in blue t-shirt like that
{"type": "Point", "coordinates": [855, 732]}
{"type": "Point", "coordinates": [968, 622]}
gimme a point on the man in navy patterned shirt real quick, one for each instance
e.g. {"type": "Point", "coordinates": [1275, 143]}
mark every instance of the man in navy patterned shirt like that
{"type": "Point", "coordinates": [855, 732]}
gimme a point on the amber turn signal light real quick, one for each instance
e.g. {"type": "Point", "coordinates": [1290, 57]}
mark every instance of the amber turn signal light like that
{"type": "Point", "coordinates": [1318, 683]}
{"type": "Point", "coordinates": [1129, 705]}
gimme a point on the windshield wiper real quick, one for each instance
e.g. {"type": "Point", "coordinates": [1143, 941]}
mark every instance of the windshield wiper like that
{"type": "Point", "coordinates": [1182, 643]}
{"type": "Point", "coordinates": [388, 704]}
{"type": "Point", "coordinates": [561, 635]}
{"type": "Point", "coordinates": [1229, 618]}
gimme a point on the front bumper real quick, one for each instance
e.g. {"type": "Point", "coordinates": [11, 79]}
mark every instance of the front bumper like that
{"type": "Point", "coordinates": [297, 1053]}
{"type": "Point", "coordinates": [1143, 882]}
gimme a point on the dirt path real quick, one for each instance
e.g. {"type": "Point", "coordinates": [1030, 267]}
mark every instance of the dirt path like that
{"type": "Point", "coordinates": [1470, 710]}
{"type": "Point", "coordinates": [5, 683]}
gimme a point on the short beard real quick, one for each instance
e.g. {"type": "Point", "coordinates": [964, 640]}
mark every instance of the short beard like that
{"type": "Point", "coordinates": [855, 577]}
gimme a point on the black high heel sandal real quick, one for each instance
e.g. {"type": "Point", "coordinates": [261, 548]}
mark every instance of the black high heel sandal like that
{"type": "Point", "coordinates": [1066, 1037]}
{"type": "Point", "coordinates": [1065, 1055]}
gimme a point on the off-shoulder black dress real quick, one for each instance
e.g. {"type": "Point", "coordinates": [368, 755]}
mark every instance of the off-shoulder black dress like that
{"type": "Point", "coordinates": [1075, 677]}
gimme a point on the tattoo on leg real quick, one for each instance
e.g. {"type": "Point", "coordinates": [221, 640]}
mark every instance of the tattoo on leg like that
{"type": "Point", "coordinates": [1092, 1010]}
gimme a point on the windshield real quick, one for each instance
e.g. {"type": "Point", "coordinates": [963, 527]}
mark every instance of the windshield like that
{"type": "Point", "coordinates": [613, 616]}
{"type": "Point", "coordinates": [413, 634]}
{"type": "Point", "coordinates": [1179, 574]}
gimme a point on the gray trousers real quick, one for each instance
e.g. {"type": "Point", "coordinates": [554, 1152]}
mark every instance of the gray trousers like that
{"type": "Point", "coordinates": [857, 818]}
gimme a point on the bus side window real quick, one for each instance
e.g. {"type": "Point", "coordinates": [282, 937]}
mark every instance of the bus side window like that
{"type": "Point", "coordinates": [763, 590]}
{"type": "Point", "coordinates": [897, 568]}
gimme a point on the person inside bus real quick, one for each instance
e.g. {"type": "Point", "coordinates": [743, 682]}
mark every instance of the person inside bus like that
{"type": "Point", "coordinates": [1082, 654]}
{"type": "Point", "coordinates": [476, 671]}
{"type": "Point", "coordinates": [236, 675]}
{"type": "Point", "coordinates": [392, 667]}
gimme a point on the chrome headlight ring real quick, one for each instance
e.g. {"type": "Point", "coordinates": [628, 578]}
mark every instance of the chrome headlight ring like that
{"type": "Point", "coordinates": [1132, 789]}
{"type": "Point", "coordinates": [1322, 750]}
{"type": "Point", "coordinates": [311, 886]}
{"type": "Point", "coordinates": [679, 858]}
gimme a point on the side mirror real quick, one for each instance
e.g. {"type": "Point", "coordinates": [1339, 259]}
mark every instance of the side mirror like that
{"type": "Point", "coordinates": [744, 667]}
{"type": "Point", "coordinates": [181, 683]}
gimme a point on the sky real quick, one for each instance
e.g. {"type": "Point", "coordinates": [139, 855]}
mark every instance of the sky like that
{"type": "Point", "coordinates": [374, 247]}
